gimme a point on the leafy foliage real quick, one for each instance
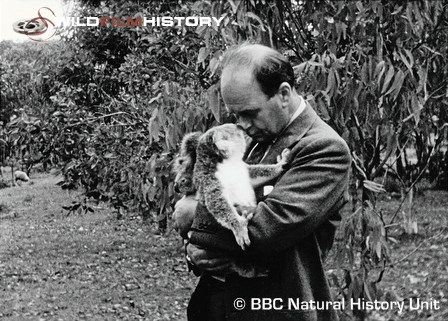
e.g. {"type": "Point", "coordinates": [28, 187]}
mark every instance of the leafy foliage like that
{"type": "Point", "coordinates": [109, 105]}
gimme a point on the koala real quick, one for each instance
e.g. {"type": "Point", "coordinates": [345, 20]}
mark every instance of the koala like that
{"type": "Point", "coordinates": [224, 182]}
{"type": "Point", "coordinates": [184, 164]}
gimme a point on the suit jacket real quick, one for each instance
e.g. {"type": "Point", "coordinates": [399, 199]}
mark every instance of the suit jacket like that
{"type": "Point", "coordinates": [294, 225]}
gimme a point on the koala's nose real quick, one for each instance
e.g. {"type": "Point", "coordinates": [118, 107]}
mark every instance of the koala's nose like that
{"type": "Point", "coordinates": [179, 183]}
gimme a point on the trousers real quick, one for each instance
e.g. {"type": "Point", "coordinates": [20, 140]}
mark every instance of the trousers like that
{"type": "Point", "coordinates": [207, 303]}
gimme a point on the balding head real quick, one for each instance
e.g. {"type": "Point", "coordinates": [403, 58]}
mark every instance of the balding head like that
{"type": "Point", "coordinates": [267, 66]}
{"type": "Point", "coordinates": [257, 87]}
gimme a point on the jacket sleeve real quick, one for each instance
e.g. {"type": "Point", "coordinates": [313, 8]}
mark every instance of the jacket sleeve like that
{"type": "Point", "coordinates": [307, 195]}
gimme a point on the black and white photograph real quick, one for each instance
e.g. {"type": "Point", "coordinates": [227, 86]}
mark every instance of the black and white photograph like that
{"type": "Point", "coordinates": [224, 160]}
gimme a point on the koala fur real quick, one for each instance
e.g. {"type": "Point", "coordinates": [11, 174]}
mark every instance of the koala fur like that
{"type": "Point", "coordinates": [184, 164]}
{"type": "Point", "coordinates": [224, 181]}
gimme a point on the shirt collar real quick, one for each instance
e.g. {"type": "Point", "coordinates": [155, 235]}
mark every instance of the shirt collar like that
{"type": "Point", "coordinates": [296, 114]}
{"type": "Point", "coordinates": [299, 110]}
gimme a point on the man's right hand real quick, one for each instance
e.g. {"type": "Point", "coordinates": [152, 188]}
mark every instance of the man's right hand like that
{"type": "Point", "coordinates": [184, 212]}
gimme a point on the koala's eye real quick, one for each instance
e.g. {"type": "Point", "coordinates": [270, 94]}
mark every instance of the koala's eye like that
{"type": "Point", "coordinates": [180, 161]}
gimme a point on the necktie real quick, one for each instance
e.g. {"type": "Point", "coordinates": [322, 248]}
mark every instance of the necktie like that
{"type": "Point", "coordinates": [257, 153]}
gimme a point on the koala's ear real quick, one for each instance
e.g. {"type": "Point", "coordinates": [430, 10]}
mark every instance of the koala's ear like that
{"type": "Point", "coordinates": [190, 143]}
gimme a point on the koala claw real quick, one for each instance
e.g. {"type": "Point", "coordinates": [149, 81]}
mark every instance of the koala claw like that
{"type": "Point", "coordinates": [242, 235]}
{"type": "Point", "coordinates": [246, 211]}
{"type": "Point", "coordinates": [283, 159]}
{"type": "Point", "coordinates": [248, 215]}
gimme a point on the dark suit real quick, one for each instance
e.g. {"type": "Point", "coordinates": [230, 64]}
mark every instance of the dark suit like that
{"type": "Point", "coordinates": [294, 225]}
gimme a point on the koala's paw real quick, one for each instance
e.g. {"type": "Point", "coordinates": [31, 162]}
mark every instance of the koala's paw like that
{"type": "Point", "coordinates": [248, 215]}
{"type": "Point", "coordinates": [246, 211]}
{"type": "Point", "coordinates": [284, 158]}
{"type": "Point", "coordinates": [242, 234]}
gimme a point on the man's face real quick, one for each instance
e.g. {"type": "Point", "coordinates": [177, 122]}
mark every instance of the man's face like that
{"type": "Point", "coordinates": [261, 117]}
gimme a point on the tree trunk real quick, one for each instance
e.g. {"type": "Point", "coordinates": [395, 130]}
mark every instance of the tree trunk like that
{"type": "Point", "coordinates": [409, 222]}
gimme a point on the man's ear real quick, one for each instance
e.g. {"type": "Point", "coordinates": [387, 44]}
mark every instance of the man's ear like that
{"type": "Point", "coordinates": [284, 92]}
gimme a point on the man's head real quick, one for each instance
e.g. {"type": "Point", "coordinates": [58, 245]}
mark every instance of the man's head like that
{"type": "Point", "coordinates": [257, 85]}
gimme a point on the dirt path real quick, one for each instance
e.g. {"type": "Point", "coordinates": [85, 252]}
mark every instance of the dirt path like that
{"type": "Point", "coordinates": [84, 267]}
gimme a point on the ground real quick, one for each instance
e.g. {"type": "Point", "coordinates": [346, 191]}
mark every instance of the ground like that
{"type": "Point", "coordinates": [84, 267]}
{"type": "Point", "coordinates": [419, 263]}
{"type": "Point", "coordinates": [95, 267]}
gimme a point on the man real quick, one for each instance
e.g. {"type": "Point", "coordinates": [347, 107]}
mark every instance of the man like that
{"type": "Point", "coordinates": [295, 220]}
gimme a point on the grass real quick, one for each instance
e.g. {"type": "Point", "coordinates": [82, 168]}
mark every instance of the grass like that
{"type": "Point", "coordinates": [95, 267]}
{"type": "Point", "coordinates": [418, 267]}
{"type": "Point", "coordinates": [84, 267]}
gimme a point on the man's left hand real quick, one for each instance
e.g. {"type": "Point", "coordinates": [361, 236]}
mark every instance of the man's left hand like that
{"type": "Point", "coordinates": [211, 261]}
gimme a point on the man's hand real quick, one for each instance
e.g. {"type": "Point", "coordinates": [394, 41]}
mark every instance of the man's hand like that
{"type": "Point", "coordinates": [183, 215]}
{"type": "Point", "coordinates": [210, 261]}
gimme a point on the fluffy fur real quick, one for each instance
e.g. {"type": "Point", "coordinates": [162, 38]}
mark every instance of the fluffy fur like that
{"type": "Point", "coordinates": [184, 164]}
{"type": "Point", "coordinates": [218, 149]}
{"type": "Point", "coordinates": [225, 182]}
